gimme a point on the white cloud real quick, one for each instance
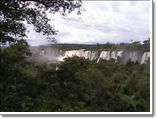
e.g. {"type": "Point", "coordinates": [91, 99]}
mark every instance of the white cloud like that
{"type": "Point", "coordinates": [103, 21]}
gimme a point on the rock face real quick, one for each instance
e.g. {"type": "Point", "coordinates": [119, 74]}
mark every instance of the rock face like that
{"type": "Point", "coordinates": [56, 55]}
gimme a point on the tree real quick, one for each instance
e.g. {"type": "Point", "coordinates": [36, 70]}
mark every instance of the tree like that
{"type": "Point", "coordinates": [14, 76]}
{"type": "Point", "coordinates": [146, 45]}
{"type": "Point", "coordinates": [13, 13]}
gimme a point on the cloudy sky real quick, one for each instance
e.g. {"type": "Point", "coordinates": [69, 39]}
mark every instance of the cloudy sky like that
{"type": "Point", "coordinates": [101, 22]}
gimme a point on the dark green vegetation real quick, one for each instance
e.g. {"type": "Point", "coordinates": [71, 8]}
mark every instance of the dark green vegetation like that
{"type": "Point", "coordinates": [77, 85]}
{"type": "Point", "coordinates": [13, 13]}
{"type": "Point", "coordinates": [135, 46]}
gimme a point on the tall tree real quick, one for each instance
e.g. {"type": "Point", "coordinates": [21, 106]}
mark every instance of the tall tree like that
{"type": "Point", "coordinates": [13, 13]}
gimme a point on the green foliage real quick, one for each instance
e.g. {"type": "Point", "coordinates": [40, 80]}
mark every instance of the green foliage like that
{"type": "Point", "coordinates": [100, 47]}
{"type": "Point", "coordinates": [78, 84]}
{"type": "Point", "coordinates": [14, 76]}
{"type": "Point", "coordinates": [13, 13]}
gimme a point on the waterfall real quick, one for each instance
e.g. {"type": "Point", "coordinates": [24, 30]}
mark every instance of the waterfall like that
{"type": "Point", "coordinates": [87, 54]}
{"type": "Point", "coordinates": [107, 55]}
{"type": "Point", "coordinates": [114, 55]}
{"type": "Point", "coordinates": [46, 54]}
{"type": "Point", "coordinates": [91, 55]}
{"type": "Point", "coordinates": [94, 55]}
{"type": "Point", "coordinates": [54, 54]}
{"type": "Point", "coordinates": [119, 53]}
{"type": "Point", "coordinates": [133, 56]}
{"type": "Point", "coordinates": [104, 55]}
{"type": "Point", "coordinates": [145, 57]}
{"type": "Point", "coordinates": [72, 53]}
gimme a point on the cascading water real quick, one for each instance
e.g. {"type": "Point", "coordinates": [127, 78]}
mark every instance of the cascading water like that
{"type": "Point", "coordinates": [59, 55]}
{"type": "Point", "coordinates": [91, 55]}
{"type": "Point", "coordinates": [145, 57]}
{"type": "Point", "coordinates": [104, 55]}
{"type": "Point", "coordinates": [133, 56]}
{"type": "Point", "coordinates": [107, 55]}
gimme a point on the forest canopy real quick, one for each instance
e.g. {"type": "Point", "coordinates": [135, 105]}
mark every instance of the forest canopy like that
{"type": "Point", "coordinates": [77, 84]}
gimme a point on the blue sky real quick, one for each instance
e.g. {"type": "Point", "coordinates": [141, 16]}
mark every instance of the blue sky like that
{"type": "Point", "coordinates": [101, 22]}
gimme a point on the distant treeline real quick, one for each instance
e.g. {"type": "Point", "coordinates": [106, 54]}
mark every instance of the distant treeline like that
{"type": "Point", "coordinates": [144, 47]}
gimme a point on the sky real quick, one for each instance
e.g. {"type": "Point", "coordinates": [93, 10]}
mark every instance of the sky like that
{"type": "Point", "coordinates": [101, 22]}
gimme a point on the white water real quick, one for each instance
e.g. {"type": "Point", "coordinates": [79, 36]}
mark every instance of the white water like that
{"type": "Point", "coordinates": [145, 57]}
{"type": "Point", "coordinates": [133, 56]}
{"type": "Point", "coordinates": [107, 55]}
{"type": "Point", "coordinates": [91, 55]}
{"type": "Point", "coordinates": [59, 55]}
{"type": "Point", "coordinates": [104, 55]}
